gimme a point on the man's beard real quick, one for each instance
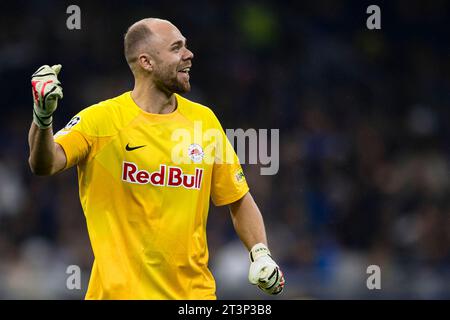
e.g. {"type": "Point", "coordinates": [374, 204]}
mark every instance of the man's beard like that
{"type": "Point", "coordinates": [171, 84]}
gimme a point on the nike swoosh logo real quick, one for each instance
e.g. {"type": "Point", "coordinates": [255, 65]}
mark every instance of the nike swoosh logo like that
{"type": "Point", "coordinates": [128, 148]}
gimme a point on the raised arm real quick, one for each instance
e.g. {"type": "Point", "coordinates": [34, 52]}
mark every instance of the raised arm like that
{"type": "Point", "coordinates": [46, 156]}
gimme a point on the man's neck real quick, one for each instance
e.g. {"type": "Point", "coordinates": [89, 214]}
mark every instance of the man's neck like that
{"type": "Point", "coordinates": [152, 100]}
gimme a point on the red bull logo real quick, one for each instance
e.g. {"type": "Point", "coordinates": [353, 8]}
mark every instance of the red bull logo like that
{"type": "Point", "coordinates": [195, 152]}
{"type": "Point", "coordinates": [169, 176]}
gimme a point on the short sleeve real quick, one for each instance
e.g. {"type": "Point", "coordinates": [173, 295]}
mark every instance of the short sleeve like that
{"type": "Point", "coordinates": [75, 139]}
{"type": "Point", "coordinates": [228, 181]}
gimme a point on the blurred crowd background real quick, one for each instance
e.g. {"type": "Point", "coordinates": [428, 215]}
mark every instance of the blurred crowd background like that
{"type": "Point", "coordinates": [364, 138]}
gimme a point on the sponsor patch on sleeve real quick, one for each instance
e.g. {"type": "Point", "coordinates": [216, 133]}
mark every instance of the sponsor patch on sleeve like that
{"type": "Point", "coordinates": [239, 175]}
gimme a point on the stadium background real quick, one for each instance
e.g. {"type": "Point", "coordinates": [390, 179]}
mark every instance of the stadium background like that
{"type": "Point", "coordinates": [364, 138]}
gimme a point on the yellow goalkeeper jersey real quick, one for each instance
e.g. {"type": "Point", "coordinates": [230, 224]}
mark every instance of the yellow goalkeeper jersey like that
{"type": "Point", "coordinates": [145, 181]}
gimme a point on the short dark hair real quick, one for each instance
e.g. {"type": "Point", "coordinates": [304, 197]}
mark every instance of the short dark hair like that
{"type": "Point", "coordinates": [136, 37]}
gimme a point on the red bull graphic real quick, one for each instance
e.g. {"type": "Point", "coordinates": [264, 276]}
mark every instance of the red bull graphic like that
{"type": "Point", "coordinates": [169, 176]}
{"type": "Point", "coordinates": [195, 152]}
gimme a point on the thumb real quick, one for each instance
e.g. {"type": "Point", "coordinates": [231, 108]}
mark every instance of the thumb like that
{"type": "Point", "coordinates": [56, 94]}
{"type": "Point", "coordinates": [57, 68]}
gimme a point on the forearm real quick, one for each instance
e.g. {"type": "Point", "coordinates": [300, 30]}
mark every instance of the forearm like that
{"type": "Point", "coordinates": [248, 221]}
{"type": "Point", "coordinates": [46, 90]}
{"type": "Point", "coordinates": [249, 225]}
{"type": "Point", "coordinates": [42, 150]}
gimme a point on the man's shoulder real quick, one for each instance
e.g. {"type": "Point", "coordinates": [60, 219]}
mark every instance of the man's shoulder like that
{"type": "Point", "coordinates": [195, 110]}
{"type": "Point", "coordinates": [106, 116]}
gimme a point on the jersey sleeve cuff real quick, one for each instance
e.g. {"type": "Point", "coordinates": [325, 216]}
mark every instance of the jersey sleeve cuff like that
{"type": "Point", "coordinates": [231, 199]}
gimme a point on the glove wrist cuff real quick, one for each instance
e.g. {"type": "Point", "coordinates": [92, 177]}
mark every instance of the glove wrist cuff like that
{"type": "Point", "coordinates": [258, 250]}
{"type": "Point", "coordinates": [42, 122]}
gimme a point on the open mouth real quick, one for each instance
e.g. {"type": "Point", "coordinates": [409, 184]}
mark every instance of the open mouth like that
{"type": "Point", "coordinates": [184, 73]}
{"type": "Point", "coordinates": [185, 70]}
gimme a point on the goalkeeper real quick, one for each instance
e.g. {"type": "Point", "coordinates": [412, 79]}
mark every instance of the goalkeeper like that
{"type": "Point", "coordinates": [146, 213]}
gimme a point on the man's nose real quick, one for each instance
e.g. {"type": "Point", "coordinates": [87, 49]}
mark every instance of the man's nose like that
{"type": "Point", "coordinates": [188, 55]}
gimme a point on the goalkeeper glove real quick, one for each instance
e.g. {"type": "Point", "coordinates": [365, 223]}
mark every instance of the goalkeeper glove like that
{"type": "Point", "coordinates": [46, 90]}
{"type": "Point", "coordinates": [264, 272]}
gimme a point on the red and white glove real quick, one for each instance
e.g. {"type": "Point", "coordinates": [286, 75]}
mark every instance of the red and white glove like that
{"type": "Point", "coordinates": [46, 90]}
{"type": "Point", "coordinates": [264, 272]}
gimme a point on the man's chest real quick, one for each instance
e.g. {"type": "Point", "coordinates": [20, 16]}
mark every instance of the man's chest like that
{"type": "Point", "coordinates": [167, 155]}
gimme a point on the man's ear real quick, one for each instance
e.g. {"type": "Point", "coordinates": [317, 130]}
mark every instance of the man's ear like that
{"type": "Point", "coordinates": [146, 62]}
